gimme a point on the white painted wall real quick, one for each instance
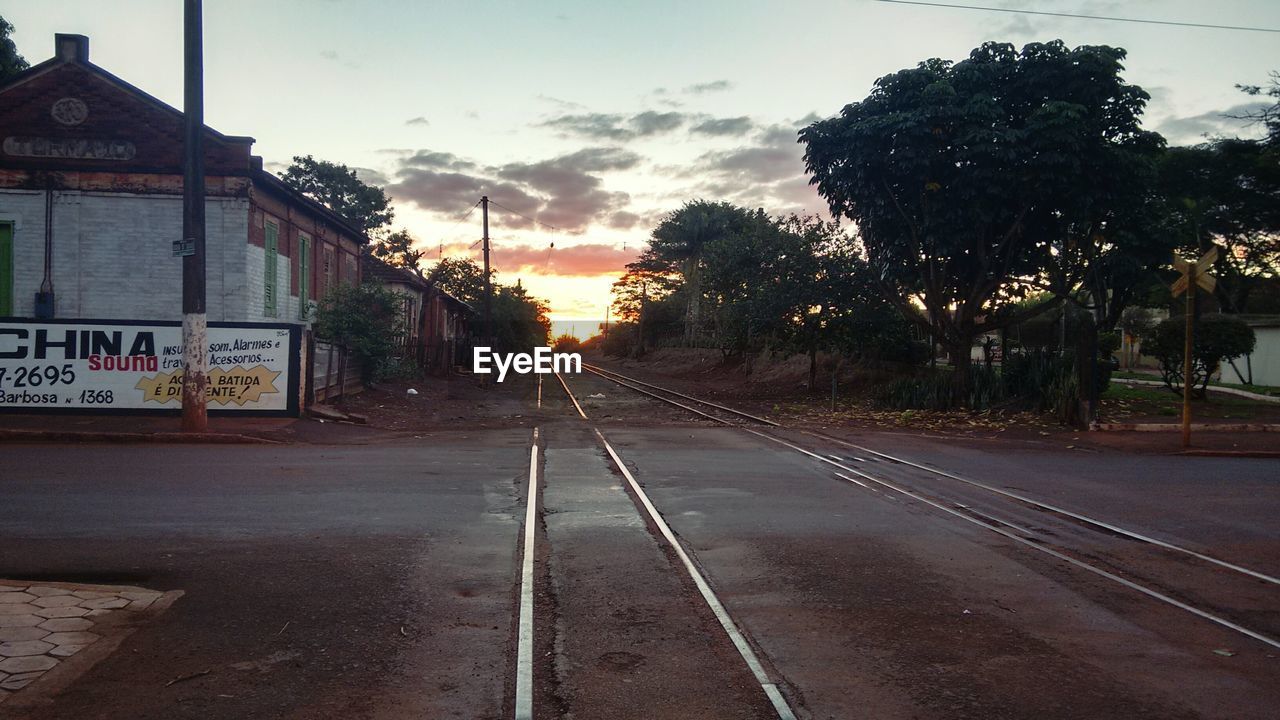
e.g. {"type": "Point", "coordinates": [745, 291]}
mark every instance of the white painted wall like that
{"type": "Point", "coordinates": [286, 304]}
{"type": "Point", "coordinates": [113, 256]}
{"type": "Point", "coordinates": [1265, 359]}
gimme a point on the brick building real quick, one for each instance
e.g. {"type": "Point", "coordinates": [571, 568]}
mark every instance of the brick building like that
{"type": "Point", "coordinates": [436, 326]}
{"type": "Point", "coordinates": [91, 202]}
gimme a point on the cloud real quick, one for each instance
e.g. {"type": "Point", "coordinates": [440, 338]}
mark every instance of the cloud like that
{"type": "Point", "coordinates": [565, 192]}
{"type": "Point", "coordinates": [589, 259]}
{"type": "Point", "coordinates": [650, 122]}
{"type": "Point", "coordinates": [618, 127]}
{"type": "Point", "coordinates": [333, 56]}
{"type": "Point", "coordinates": [767, 172]}
{"type": "Point", "coordinates": [593, 125]}
{"type": "Point", "coordinates": [1195, 128]}
{"type": "Point", "coordinates": [433, 159]}
{"type": "Point", "coordinates": [725, 126]}
{"type": "Point", "coordinates": [371, 176]}
{"type": "Point", "coordinates": [417, 121]}
{"type": "Point", "coordinates": [707, 87]}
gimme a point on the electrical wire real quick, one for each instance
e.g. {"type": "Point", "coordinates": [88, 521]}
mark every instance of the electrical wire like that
{"type": "Point", "coordinates": [526, 217]}
{"type": "Point", "coordinates": [1145, 21]}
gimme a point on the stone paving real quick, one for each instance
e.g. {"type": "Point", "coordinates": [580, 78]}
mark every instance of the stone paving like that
{"type": "Point", "coordinates": [40, 626]}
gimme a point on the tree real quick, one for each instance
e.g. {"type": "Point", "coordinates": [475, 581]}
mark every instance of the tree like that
{"type": "Point", "coordinates": [397, 249]}
{"type": "Point", "coordinates": [677, 243]}
{"type": "Point", "coordinates": [461, 278]}
{"type": "Point", "coordinates": [520, 321]}
{"type": "Point", "coordinates": [336, 187]}
{"type": "Point", "coordinates": [1226, 192]}
{"type": "Point", "coordinates": [366, 319]}
{"type": "Point", "coordinates": [11, 63]}
{"type": "Point", "coordinates": [1216, 338]}
{"type": "Point", "coordinates": [1268, 116]}
{"type": "Point", "coordinates": [975, 183]}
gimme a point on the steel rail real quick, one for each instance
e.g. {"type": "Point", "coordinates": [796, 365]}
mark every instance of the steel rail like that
{"type": "Point", "coordinates": [1086, 566]}
{"type": "Point", "coordinates": [736, 637]}
{"type": "Point", "coordinates": [1053, 508]}
{"type": "Point", "coordinates": [1009, 494]}
{"type": "Point", "coordinates": [604, 373]}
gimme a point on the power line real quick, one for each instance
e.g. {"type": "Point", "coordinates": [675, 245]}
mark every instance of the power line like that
{"type": "Point", "coordinates": [1082, 17]}
{"type": "Point", "coordinates": [526, 217]}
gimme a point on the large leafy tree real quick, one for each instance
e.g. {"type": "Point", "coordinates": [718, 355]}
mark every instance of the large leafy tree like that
{"type": "Point", "coordinates": [975, 183]}
{"type": "Point", "coordinates": [679, 241]}
{"type": "Point", "coordinates": [461, 278]}
{"type": "Point", "coordinates": [1226, 192]}
{"type": "Point", "coordinates": [397, 249]}
{"type": "Point", "coordinates": [336, 187]}
{"type": "Point", "coordinates": [11, 63]}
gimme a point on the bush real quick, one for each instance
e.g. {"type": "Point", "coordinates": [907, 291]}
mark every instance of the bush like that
{"type": "Point", "coordinates": [1217, 338]}
{"type": "Point", "coordinates": [937, 391]}
{"type": "Point", "coordinates": [366, 319]}
{"type": "Point", "coordinates": [566, 344]}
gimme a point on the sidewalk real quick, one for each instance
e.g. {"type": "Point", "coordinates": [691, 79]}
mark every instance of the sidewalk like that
{"type": "Point", "coordinates": [140, 428]}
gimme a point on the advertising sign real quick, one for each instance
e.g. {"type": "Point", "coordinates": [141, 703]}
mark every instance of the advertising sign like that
{"type": "Point", "coordinates": [122, 366]}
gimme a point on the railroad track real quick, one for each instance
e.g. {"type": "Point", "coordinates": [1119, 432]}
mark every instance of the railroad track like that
{"type": "Point", "coordinates": [1184, 578]}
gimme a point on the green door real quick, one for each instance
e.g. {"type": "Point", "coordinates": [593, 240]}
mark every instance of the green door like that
{"type": "Point", "coordinates": [6, 269]}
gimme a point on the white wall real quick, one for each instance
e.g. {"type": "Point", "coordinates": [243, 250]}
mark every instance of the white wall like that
{"type": "Point", "coordinates": [286, 303]}
{"type": "Point", "coordinates": [1265, 359]}
{"type": "Point", "coordinates": [113, 255]}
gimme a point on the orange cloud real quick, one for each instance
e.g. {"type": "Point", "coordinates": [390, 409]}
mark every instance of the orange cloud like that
{"type": "Point", "coordinates": [588, 259]}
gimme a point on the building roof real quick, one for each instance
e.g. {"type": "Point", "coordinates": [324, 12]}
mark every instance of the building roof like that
{"type": "Point", "coordinates": [71, 54]}
{"type": "Point", "coordinates": [383, 272]}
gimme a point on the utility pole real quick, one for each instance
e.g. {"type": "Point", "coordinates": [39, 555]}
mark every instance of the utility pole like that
{"type": "Point", "coordinates": [644, 301]}
{"type": "Point", "coordinates": [195, 339]}
{"type": "Point", "coordinates": [1194, 273]}
{"type": "Point", "coordinates": [488, 283]}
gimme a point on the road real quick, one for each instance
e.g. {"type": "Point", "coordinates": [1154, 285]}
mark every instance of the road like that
{"type": "Point", "coordinates": [385, 580]}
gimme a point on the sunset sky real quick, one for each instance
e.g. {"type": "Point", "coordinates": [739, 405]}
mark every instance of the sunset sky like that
{"type": "Point", "coordinates": [596, 118]}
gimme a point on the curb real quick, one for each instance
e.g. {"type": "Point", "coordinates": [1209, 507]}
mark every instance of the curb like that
{"type": "Point", "coordinates": [1195, 427]}
{"type": "Point", "coordinates": [1274, 454]}
{"type": "Point", "coordinates": [134, 437]}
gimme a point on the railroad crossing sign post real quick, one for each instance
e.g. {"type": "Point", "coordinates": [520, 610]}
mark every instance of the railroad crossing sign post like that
{"type": "Point", "coordinates": [1194, 274]}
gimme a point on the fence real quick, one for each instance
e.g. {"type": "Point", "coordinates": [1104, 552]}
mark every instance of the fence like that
{"type": "Point", "coordinates": [335, 372]}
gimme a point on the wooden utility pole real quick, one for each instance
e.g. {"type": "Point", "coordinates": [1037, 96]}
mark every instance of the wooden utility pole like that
{"type": "Point", "coordinates": [195, 356]}
{"type": "Point", "coordinates": [1193, 274]}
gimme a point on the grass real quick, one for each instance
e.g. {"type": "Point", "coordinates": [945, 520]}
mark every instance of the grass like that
{"type": "Point", "coordinates": [1121, 401]}
{"type": "Point", "coordinates": [1272, 390]}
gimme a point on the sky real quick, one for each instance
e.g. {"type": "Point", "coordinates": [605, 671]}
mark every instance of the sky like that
{"type": "Point", "coordinates": [586, 121]}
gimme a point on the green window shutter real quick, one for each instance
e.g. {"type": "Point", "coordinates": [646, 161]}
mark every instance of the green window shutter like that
{"type": "Point", "coordinates": [269, 271]}
{"type": "Point", "coordinates": [304, 275]}
{"type": "Point", "coordinates": [6, 270]}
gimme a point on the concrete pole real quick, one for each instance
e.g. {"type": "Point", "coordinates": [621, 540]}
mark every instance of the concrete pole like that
{"type": "Point", "coordinates": [195, 362]}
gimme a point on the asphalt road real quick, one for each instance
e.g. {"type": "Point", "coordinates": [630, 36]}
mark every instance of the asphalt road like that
{"type": "Point", "coordinates": [383, 581]}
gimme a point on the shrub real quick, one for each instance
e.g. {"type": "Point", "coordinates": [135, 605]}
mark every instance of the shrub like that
{"type": "Point", "coordinates": [1217, 338]}
{"type": "Point", "coordinates": [566, 344]}
{"type": "Point", "coordinates": [366, 320]}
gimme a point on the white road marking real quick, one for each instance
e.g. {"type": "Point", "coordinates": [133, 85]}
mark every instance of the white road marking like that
{"type": "Point", "coordinates": [524, 646]}
{"type": "Point", "coordinates": [744, 649]}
